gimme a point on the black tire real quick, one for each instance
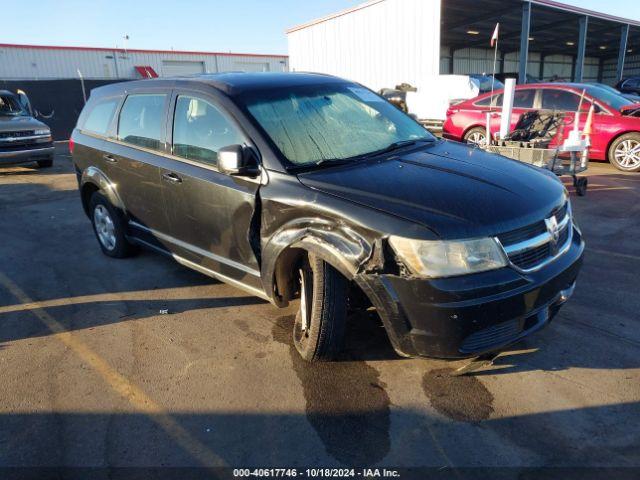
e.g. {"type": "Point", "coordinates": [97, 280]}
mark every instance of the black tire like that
{"type": "Point", "coordinates": [616, 152]}
{"type": "Point", "coordinates": [325, 291]}
{"type": "Point", "coordinates": [472, 136]}
{"type": "Point", "coordinates": [120, 248]}
{"type": "Point", "coordinates": [45, 163]}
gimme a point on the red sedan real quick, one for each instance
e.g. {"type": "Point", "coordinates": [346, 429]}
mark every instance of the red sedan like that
{"type": "Point", "coordinates": [616, 128]}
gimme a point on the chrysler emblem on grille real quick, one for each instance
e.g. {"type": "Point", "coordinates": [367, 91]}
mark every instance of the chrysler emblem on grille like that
{"type": "Point", "coordinates": [554, 230]}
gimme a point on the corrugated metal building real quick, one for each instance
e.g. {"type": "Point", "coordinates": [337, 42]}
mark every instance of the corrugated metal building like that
{"type": "Point", "coordinates": [31, 62]}
{"type": "Point", "coordinates": [376, 43]}
{"type": "Point", "coordinates": [382, 43]}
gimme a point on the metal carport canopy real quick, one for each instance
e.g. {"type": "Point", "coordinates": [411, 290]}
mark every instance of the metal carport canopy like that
{"type": "Point", "coordinates": [554, 28]}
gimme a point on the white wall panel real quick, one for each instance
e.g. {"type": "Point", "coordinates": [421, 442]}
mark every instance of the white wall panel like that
{"type": "Point", "coordinates": [33, 63]}
{"type": "Point", "coordinates": [381, 44]}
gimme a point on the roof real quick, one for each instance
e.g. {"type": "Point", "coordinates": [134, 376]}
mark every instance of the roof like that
{"type": "Point", "coordinates": [544, 3]}
{"type": "Point", "coordinates": [7, 93]}
{"type": "Point", "coordinates": [235, 83]}
{"type": "Point", "coordinates": [130, 50]}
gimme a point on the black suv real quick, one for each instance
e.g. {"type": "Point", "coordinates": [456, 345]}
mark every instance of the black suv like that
{"type": "Point", "coordinates": [306, 186]}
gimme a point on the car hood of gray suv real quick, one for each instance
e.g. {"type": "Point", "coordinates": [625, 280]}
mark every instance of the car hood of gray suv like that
{"type": "Point", "coordinates": [19, 123]}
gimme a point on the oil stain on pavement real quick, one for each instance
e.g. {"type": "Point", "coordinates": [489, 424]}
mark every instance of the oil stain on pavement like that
{"type": "Point", "coordinates": [345, 400]}
{"type": "Point", "coordinates": [462, 398]}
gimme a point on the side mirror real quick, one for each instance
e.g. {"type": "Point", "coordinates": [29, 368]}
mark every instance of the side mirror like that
{"type": "Point", "coordinates": [24, 102]}
{"type": "Point", "coordinates": [238, 160]}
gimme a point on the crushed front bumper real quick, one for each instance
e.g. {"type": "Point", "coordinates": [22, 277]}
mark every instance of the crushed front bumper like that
{"type": "Point", "coordinates": [470, 315]}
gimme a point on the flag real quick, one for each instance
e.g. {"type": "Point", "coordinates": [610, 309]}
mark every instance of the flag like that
{"type": "Point", "coordinates": [494, 37]}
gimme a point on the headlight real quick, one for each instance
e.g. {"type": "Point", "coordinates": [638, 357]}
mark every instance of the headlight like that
{"type": "Point", "coordinates": [432, 259]}
{"type": "Point", "coordinates": [43, 131]}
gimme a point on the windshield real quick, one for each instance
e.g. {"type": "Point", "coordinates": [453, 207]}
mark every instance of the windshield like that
{"type": "Point", "coordinates": [483, 82]}
{"type": "Point", "coordinates": [604, 95]}
{"type": "Point", "coordinates": [9, 105]}
{"type": "Point", "coordinates": [318, 123]}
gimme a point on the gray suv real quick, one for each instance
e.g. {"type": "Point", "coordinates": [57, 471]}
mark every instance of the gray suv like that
{"type": "Point", "coordinates": [23, 139]}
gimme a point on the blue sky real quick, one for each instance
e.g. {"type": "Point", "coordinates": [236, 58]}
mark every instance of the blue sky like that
{"type": "Point", "coordinates": [207, 25]}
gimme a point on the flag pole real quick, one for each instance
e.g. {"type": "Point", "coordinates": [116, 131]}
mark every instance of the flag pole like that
{"type": "Point", "coordinates": [496, 33]}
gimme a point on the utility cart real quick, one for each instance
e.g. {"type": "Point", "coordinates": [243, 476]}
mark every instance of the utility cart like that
{"type": "Point", "coordinates": [532, 142]}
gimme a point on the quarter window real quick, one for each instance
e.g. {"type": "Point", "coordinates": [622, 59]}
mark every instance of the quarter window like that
{"type": "Point", "coordinates": [141, 120]}
{"type": "Point", "coordinates": [560, 100]}
{"type": "Point", "coordinates": [200, 130]}
{"type": "Point", "coordinates": [100, 116]}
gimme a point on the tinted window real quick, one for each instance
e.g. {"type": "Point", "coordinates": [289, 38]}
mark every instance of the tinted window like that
{"type": "Point", "coordinates": [141, 120]}
{"type": "Point", "coordinates": [632, 83]}
{"type": "Point", "coordinates": [524, 98]}
{"type": "Point", "coordinates": [100, 116]}
{"type": "Point", "coordinates": [200, 130]}
{"type": "Point", "coordinates": [560, 100]}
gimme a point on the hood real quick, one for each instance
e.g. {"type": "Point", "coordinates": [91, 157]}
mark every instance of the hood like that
{"type": "Point", "coordinates": [19, 123]}
{"type": "Point", "coordinates": [455, 190]}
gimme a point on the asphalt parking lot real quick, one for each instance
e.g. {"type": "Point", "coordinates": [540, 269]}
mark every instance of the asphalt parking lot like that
{"type": "Point", "coordinates": [141, 362]}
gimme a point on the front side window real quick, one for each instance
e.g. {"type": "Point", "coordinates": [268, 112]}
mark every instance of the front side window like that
{"type": "Point", "coordinates": [559, 100]}
{"type": "Point", "coordinates": [200, 130]}
{"type": "Point", "coordinates": [141, 120]}
{"type": "Point", "coordinates": [315, 123]}
{"type": "Point", "coordinates": [100, 116]}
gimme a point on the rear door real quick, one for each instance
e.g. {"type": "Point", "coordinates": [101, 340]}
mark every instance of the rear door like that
{"type": "Point", "coordinates": [133, 155]}
{"type": "Point", "coordinates": [211, 214]}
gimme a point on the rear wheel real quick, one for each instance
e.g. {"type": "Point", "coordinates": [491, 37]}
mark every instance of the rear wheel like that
{"type": "Point", "coordinates": [108, 225]}
{"type": "Point", "coordinates": [319, 327]}
{"type": "Point", "coordinates": [476, 136]}
{"type": "Point", "coordinates": [624, 152]}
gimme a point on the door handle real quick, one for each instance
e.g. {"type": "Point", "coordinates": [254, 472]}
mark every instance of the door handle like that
{"type": "Point", "coordinates": [171, 177]}
{"type": "Point", "coordinates": [110, 159]}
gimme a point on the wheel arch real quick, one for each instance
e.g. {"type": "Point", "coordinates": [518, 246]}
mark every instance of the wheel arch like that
{"type": "Point", "coordinates": [344, 251]}
{"type": "Point", "coordinates": [616, 137]}
{"type": "Point", "coordinates": [93, 180]}
{"type": "Point", "coordinates": [468, 129]}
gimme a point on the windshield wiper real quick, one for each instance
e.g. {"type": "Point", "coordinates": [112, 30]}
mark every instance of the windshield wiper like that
{"type": "Point", "coordinates": [401, 144]}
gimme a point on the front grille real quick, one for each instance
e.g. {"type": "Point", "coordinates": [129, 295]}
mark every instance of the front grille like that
{"type": "Point", "coordinates": [24, 133]}
{"type": "Point", "coordinates": [530, 258]}
{"type": "Point", "coordinates": [522, 234]}
{"type": "Point", "coordinates": [530, 246]}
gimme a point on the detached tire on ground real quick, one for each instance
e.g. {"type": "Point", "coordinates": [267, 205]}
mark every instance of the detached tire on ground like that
{"type": "Point", "coordinates": [475, 136]}
{"type": "Point", "coordinates": [109, 227]}
{"type": "Point", "coordinates": [624, 152]}
{"type": "Point", "coordinates": [45, 163]}
{"type": "Point", "coordinates": [318, 331]}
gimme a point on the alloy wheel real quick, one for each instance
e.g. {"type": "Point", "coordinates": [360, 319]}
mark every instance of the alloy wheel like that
{"type": "Point", "coordinates": [105, 227]}
{"type": "Point", "coordinates": [476, 138]}
{"type": "Point", "coordinates": [627, 154]}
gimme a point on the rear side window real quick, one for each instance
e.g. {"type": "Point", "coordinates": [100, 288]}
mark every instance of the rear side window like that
{"type": "Point", "coordinates": [141, 120]}
{"type": "Point", "coordinates": [560, 100]}
{"type": "Point", "coordinates": [99, 117]}
{"type": "Point", "coordinates": [495, 101]}
{"type": "Point", "coordinates": [200, 130]}
{"type": "Point", "coordinates": [524, 98]}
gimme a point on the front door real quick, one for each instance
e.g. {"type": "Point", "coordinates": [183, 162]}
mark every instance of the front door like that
{"type": "Point", "coordinates": [211, 214]}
